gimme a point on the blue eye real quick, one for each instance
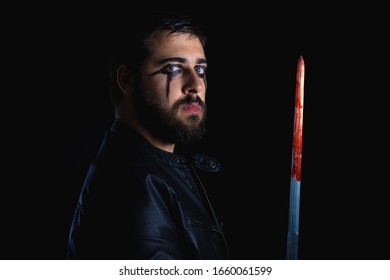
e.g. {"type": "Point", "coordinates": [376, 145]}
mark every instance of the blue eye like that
{"type": "Point", "coordinates": [200, 70]}
{"type": "Point", "coordinates": [172, 69]}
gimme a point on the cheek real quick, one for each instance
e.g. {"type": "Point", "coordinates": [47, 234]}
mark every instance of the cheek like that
{"type": "Point", "coordinates": [155, 87]}
{"type": "Point", "coordinates": [154, 83]}
{"type": "Point", "coordinates": [172, 88]}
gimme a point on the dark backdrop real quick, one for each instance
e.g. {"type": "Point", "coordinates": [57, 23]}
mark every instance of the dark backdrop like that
{"type": "Point", "coordinates": [57, 109]}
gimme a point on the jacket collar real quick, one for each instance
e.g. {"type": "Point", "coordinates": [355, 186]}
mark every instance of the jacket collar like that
{"type": "Point", "coordinates": [198, 160]}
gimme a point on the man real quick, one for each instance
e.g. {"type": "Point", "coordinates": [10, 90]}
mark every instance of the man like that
{"type": "Point", "coordinates": [141, 199]}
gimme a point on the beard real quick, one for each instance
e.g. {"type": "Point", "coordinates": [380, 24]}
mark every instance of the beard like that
{"type": "Point", "coordinates": [164, 124]}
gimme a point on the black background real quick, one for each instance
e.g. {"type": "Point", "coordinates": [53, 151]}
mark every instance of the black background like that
{"type": "Point", "coordinates": [56, 109]}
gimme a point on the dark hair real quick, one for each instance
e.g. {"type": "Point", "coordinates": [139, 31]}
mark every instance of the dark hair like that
{"type": "Point", "coordinates": [130, 41]}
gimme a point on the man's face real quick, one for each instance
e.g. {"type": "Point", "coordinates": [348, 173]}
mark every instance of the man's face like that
{"type": "Point", "coordinates": [171, 98]}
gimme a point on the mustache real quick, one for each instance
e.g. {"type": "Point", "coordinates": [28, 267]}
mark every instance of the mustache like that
{"type": "Point", "coordinates": [189, 99]}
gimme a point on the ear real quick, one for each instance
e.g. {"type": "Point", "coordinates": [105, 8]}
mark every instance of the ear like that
{"type": "Point", "coordinates": [125, 79]}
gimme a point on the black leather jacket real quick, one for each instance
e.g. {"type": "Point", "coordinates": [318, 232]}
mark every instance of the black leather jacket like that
{"type": "Point", "coordinates": [140, 202]}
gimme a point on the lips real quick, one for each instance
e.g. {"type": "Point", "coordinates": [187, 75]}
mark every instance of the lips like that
{"type": "Point", "coordinates": [193, 108]}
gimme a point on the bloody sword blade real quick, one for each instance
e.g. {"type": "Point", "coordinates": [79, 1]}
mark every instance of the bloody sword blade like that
{"type": "Point", "coordinates": [296, 164]}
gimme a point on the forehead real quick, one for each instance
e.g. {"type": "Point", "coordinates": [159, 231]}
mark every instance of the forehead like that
{"type": "Point", "coordinates": [185, 45]}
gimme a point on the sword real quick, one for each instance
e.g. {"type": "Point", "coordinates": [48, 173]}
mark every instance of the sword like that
{"type": "Point", "coordinates": [296, 164]}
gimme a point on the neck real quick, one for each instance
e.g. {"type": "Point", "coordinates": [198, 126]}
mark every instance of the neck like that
{"type": "Point", "coordinates": [132, 121]}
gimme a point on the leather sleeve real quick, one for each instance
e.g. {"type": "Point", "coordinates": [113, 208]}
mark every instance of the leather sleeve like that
{"type": "Point", "coordinates": [156, 232]}
{"type": "Point", "coordinates": [118, 217]}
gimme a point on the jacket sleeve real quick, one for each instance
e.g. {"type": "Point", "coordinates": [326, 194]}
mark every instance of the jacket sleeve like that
{"type": "Point", "coordinates": [118, 217]}
{"type": "Point", "coordinates": [156, 219]}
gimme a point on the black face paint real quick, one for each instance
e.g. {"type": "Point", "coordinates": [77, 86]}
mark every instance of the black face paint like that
{"type": "Point", "coordinates": [166, 71]}
{"type": "Point", "coordinates": [169, 78]}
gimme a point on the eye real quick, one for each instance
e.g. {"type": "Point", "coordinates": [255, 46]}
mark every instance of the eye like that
{"type": "Point", "coordinates": [172, 70]}
{"type": "Point", "coordinates": [200, 70]}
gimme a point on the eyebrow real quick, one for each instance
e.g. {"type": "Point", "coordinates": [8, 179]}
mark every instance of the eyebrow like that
{"type": "Point", "coordinates": [181, 60]}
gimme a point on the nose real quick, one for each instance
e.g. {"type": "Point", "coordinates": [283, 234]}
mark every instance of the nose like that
{"type": "Point", "coordinates": [193, 83]}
